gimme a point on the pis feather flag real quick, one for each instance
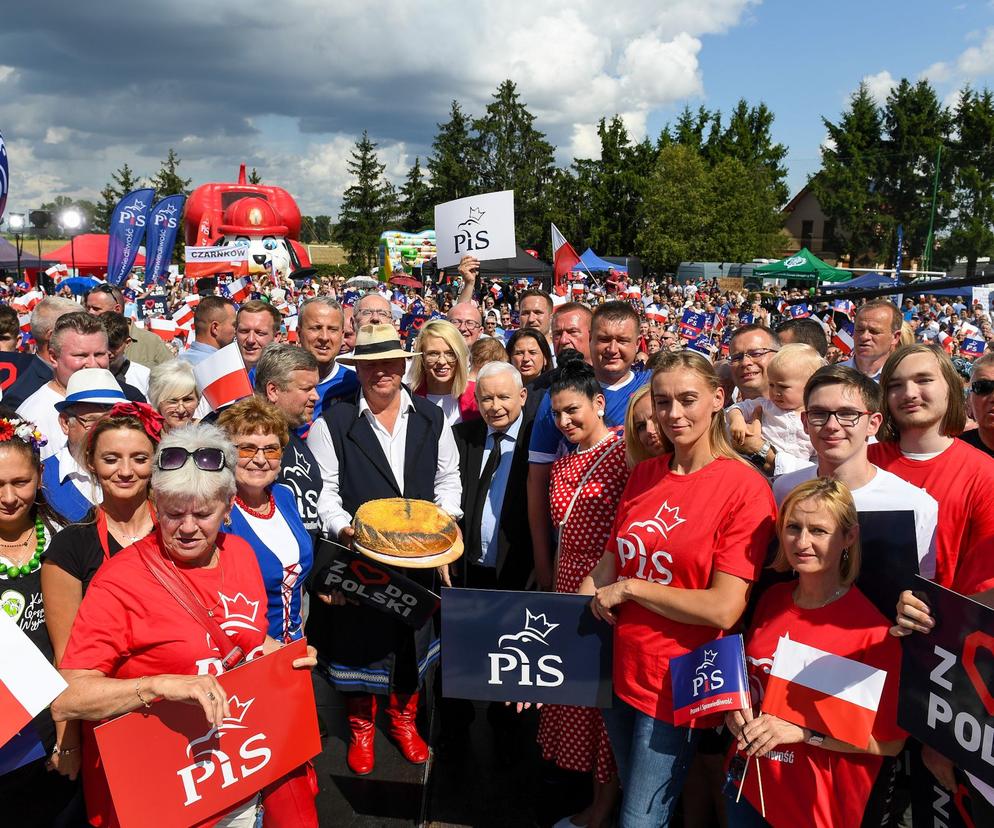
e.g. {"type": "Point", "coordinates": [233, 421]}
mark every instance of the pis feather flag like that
{"type": "Point", "coordinates": [163, 225]}
{"type": "Point", "coordinates": [824, 692]}
{"type": "Point", "coordinates": [4, 176]}
{"type": "Point", "coordinates": [126, 232]}
{"type": "Point", "coordinates": [222, 378]}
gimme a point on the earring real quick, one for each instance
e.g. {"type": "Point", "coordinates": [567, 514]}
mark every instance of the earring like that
{"type": "Point", "coordinates": [845, 557]}
{"type": "Point", "coordinates": [600, 412]}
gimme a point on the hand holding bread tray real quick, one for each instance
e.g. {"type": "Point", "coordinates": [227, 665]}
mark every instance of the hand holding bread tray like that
{"type": "Point", "coordinates": [411, 534]}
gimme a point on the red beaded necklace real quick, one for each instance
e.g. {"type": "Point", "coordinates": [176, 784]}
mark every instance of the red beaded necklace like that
{"type": "Point", "coordinates": [270, 508]}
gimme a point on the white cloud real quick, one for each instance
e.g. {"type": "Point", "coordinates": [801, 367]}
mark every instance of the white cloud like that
{"type": "Point", "coordinates": [880, 85]}
{"type": "Point", "coordinates": [977, 60]}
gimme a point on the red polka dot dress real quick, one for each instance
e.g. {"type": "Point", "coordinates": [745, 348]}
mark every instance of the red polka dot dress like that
{"type": "Point", "coordinates": [574, 737]}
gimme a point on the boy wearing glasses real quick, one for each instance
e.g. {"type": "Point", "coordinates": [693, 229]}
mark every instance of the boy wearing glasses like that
{"type": "Point", "coordinates": [841, 414]}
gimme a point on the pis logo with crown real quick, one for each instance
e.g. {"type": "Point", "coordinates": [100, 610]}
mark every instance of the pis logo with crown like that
{"type": "Point", "coordinates": [523, 658]}
{"type": "Point", "coordinates": [707, 677]}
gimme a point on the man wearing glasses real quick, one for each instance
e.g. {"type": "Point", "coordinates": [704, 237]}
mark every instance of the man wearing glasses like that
{"type": "Point", "coordinates": [981, 401]}
{"type": "Point", "coordinates": [321, 328]}
{"type": "Point", "coordinates": [842, 413]}
{"type": "Point", "coordinates": [68, 487]}
{"type": "Point", "coordinates": [466, 317]}
{"type": "Point", "coordinates": [750, 350]}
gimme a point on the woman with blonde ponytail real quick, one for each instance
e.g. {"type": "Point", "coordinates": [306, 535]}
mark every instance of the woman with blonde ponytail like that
{"type": "Point", "coordinates": [690, 538]}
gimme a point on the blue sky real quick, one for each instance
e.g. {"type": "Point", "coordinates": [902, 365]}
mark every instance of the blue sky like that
{"type": "Point", "coordinates": [86, 87]}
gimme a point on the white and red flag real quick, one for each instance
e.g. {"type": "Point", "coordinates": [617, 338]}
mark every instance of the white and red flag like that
{"type": "Point", "coordinates": [222, 378]}
{"type": "Point", "coordinates": [824, 692]}
{"type": "Point", "coordinates": [163, 328]}
{"type": "Point", "coordinates": [183, 317]}
{"type": "Point", "coordinates": [239, 290]}
{"type": "Point", "coordinates": [843, 339]}
{"type": "Point", "coordinates": [28, 681]}
{"type": "Point", "coordinates": [564, 257]}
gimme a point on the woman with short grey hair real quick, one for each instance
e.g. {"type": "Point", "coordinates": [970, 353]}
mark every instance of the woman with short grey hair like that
{"type": "Point", "coordinates": [172, 391]}
{"type": "Point", "coordinates": [159, 618]}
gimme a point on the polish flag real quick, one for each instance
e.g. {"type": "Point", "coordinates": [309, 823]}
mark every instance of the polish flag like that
{"type": "Point", "coordinates": [222, 378]}
{"type": "Point", "coordinates": [183, 316]}
{"type": "Point", "coordinates": [827, 693]}
{"type": "Point", "coordinates": [28, 682]}
{"type": "Point", "coordinates": [564, 258]}
{"type": "Point", "coordinates": [163, 328]}
{"type": "Point", "coordinates": [291, 329]}
{"type": "Point", "coordinates": [24, 320]}
{"type": "Point", "coordinates": [238, 290]}
{"type": "Point", "coordinates": [26, 302]}
{"type": "Point", "coordinates": [843, 339]}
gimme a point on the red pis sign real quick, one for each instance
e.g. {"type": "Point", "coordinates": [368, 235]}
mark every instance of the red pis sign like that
{"type": "Point", "coordinates": [189, 771]}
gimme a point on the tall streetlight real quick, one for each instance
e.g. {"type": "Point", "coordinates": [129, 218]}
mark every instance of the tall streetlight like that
{"type": "Point", "coordinates": [71, 220]}
{"type": "Point", "coordinates": [16, 223]}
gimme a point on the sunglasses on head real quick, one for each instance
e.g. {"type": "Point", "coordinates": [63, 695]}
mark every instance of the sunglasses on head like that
{"type": "Point", "coordinates": [206, 459]}
{"type": "Point", "coordinates": [982, 387]}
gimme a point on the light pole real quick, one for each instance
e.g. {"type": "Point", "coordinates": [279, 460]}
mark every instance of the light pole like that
{"type": "Point", "coordinates": [15, 223]}
{"type": "Point", "coordinates": [71, 220]}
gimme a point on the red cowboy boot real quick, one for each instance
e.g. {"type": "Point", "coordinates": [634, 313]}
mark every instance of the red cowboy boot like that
{"type": "Point", "coordinates": [361, 709]}
{"type": "Point", "coordinates": [401, 713]}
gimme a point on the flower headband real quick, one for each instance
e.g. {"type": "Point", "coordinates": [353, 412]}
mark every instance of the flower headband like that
{"type": "Point", "coordinates": [23, 430]}
{"type": "Point", "coordinates": [150, 419]}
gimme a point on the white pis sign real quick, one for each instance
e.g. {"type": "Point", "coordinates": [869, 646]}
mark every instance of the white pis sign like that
{"type": "Point", "coordinates": [480, 226]}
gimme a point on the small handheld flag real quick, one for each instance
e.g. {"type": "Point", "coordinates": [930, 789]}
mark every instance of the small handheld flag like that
{"type": "Point", "coordinates": [710, 680]}
{"type": "Point", "coordinates": [843, 339]}
{"type": "Point", "coordinates": [222, 378]}
{"type": "Point", "coordinates": [691, 324]}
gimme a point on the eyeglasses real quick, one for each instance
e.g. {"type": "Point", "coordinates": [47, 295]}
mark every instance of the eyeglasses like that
{"type": "Point", "coordinates": [179, 402]}
{"type": "Point", "coordinates": [373, 314]}
{"type": "Point", "coordinates": [431, 357]}
{"type": "Point", "coordinates": [87, 422]}
{"type": "Point", "coordinates": [846, 417]}
{"type": "Point", "coordinates": [247, 452]}
{"type": "Point", "coordinates": [754, 354]}
{"type": "Point", "coordinates": [206, 459]}
{"type": "Point", "coordinates": [982, 387]}
{"type": "Point", "coordinates": [472, 324]}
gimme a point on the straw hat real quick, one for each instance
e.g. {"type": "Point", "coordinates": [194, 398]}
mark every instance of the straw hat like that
{"type": "Point", "coordinates": [95, 386]}
{"type": "Point", "coordinates": [376, 342]}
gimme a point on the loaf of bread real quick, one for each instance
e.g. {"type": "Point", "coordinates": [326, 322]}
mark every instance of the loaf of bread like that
{"type": "Point", "coordinates": [405, 532]}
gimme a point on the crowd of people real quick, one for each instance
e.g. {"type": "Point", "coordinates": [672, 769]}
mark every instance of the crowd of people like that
{"type": "Point", "coordinates": [693, 458]}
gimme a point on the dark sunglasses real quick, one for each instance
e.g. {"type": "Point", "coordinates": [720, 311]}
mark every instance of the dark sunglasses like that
{"type": "Point", "coordinates": [206, 459]}
{"type": "Point", "coordinates": [982, 387]}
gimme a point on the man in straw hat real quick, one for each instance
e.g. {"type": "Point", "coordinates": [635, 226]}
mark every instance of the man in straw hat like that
{"type": "Point", "coordinates": [385, 442]}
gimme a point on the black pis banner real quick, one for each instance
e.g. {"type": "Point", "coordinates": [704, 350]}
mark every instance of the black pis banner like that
{"type": "Point", "coordinates": [375, 585]}
{"type": "Point", "coordinates": [946, 680]}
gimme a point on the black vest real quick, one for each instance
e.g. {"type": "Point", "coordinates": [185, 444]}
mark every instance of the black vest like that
{"type": "Point", "coordinates": [363, 471]}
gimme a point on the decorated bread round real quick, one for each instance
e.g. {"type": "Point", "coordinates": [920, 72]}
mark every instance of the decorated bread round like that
{"type": "Point", "coordinates": [408, 533]}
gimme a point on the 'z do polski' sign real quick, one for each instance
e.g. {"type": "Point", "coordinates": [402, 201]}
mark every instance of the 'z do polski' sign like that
{"type": "Point", "coordinates": [481, 226]}
{"type": "Point", "coordinates": [946, 680]}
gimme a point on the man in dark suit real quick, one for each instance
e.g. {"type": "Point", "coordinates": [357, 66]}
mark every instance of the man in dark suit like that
{"type": "Point", "coordinates": [493, 467]}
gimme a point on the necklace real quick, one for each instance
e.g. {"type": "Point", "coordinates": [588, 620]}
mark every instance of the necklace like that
{"type": "Point", "coordinates": [267, 511]}
{"type": "Point", "coordinates": [599, 443]}
{"type": "Point", "coordinates": [220, 591]}
{"type": "Point", "coordinates": [17, 571]}
{"type": "Point", "coordinates": [837, 594]}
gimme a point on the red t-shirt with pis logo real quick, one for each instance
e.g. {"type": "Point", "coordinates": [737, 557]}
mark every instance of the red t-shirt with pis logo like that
{"type": "Point", "coordinates": [678, 530]}
{"type": "Point", "coordinates": [129, 626]}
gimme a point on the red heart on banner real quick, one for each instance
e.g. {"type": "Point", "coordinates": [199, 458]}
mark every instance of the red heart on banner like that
{"type": "Point", "coordinates": [370, 575]}
{"type": "Point", "coordinates": [978, 641]}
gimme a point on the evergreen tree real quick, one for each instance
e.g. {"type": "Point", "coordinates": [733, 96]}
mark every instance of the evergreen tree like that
{"type": "Point", "coordinates": [848, 185]}
{"type": "Point", "coordinates": [417, 208]}
{"type": "Point", "coordinates": [916, 124]}
{"type": "Point", "coordinates": [450, 164]}
{"type": "Point", "coordinates": [971, 234]}
{"type": "Point", "coordinates": [368, 206]}
{"type": "Point", "coordinates": [511, 154]}
{"type": "Point", "coordinates": [322, 229]}
{"type": "Point", "coordinates": [307, 235]}
{"type": "Point", "coordinates": [122, 182]}
{"type": "Point", "coordinates": [167, 181]}
{"type": "Point", "coordinates": [748, 138]}
{"type": "Point", "coordinates": [254, 177]}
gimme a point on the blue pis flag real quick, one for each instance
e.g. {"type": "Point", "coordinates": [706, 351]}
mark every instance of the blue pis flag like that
{"type": "Point", "coordinates": [4, 176]}
{"type": "Point", "coordinates": [710, 681]}
{"type": "Point", "coordinates": [972, 347]}
{"type": "Point", "coordinates": [691, 324]}
{"type": "Point", "coordinates": [163, 225]}
{"type": "Point", "coordinates": [127, 230]}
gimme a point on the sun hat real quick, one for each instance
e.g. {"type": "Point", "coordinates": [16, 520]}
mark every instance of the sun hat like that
{"type": "Point", "coordinates": [376, 342]}
{"type": "Point", "coordinates": [94, 386]}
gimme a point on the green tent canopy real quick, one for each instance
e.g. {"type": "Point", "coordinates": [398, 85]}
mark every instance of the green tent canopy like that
{"type": "Point", "coordinates": [802, 265]}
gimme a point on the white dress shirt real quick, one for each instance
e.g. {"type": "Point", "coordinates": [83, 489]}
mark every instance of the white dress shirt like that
{"type": "Point", "coordinates": [448, 487]}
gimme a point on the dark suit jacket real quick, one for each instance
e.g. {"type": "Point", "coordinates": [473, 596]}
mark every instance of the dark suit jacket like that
{"type": "Point", "coordinates": [514, 553]}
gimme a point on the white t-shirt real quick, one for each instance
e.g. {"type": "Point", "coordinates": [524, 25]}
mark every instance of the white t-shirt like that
{"type": "Point", "coordinates": [886, 492]}
{"type": "Point", "coordinates": [39, 409]}
{"type": "Point", "coordinates": [277, 535]}
{"type": "Point", "coordinates": [449, 406]}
